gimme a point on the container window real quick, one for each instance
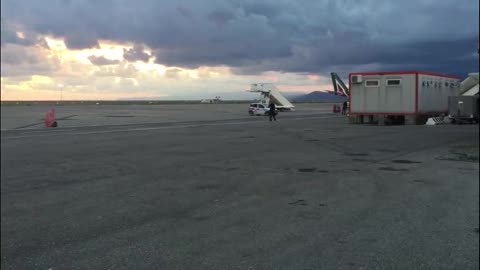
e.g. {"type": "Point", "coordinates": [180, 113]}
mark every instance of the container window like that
{"type": "Point", "coordinates": [372, 83]}
{"type": "Point", "coordinates": [394, 82]}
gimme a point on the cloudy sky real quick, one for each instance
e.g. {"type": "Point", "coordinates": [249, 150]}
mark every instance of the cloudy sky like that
{"type": "Point", "coordinates": [115, 49]}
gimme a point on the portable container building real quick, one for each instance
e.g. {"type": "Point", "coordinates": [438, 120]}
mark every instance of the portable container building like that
{"type": "Point", "coordinates": [401, 93]}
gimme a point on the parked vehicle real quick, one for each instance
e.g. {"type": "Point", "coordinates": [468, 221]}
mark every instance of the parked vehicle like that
{"type": "Point", "coordinates": [259, 109]}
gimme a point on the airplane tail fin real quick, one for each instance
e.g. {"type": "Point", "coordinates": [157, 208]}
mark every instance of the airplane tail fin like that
{"type": "Point", "coordinates": [339, 87]}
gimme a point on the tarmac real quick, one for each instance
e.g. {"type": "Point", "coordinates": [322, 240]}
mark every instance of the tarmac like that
{"type": "Point", "coordinates": [209, 187]}
{"type": "Point", "coordinates": [32, 117]}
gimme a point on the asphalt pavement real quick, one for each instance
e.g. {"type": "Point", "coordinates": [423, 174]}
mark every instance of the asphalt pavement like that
{"type": "Point", "coordinates": [305, 192]}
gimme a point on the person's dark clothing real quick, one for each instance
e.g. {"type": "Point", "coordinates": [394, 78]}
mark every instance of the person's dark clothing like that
{"type": "Point", "coordinates": [272, 111]}
{"type": "Point", "coordinates": [344, 108]}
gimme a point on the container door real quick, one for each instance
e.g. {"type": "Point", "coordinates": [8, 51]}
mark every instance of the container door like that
{"type": "Point", "coordinates": [460, 108]}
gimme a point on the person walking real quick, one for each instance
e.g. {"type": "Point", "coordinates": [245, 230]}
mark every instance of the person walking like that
{"type": "Point", "coordinates": [272, 111]}
{"type": "Point", "coordinates": [344, 108]}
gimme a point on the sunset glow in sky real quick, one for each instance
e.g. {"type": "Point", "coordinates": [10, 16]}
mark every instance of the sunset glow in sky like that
{"type": "Point", "coordinates": [151, 49]}
{"type": "Point", "coordinates": [103, 74]}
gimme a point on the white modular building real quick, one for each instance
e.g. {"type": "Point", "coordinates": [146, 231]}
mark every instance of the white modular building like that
{"type": "Point", "coordinates": [401, 93]}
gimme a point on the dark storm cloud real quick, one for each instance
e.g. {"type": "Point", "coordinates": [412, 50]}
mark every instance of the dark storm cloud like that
{"type": "Point", "coordinates": [220, 17]}
{"type": "Point", "coordinates": [282, 35]}
{"type": "Point", "coordinates": [9, 35]}
{"type": "Point", "coordinates": [185, 12]}
{"type": "Point", "coordinates": [137, 53]}
{"type": "Point", "coordinates": [75, 41]}
{"type": "Point", "coordinates": [19, 60]}
{"type": "Point", "coordinates": [454, 56]}
{"type": "Point", "coordinates": [102, 61]}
